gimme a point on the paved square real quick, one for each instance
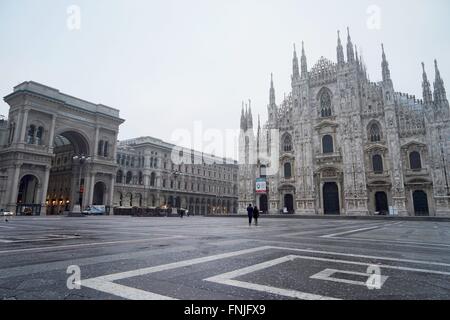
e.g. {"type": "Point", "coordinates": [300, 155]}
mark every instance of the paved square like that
{"type": "Point", "coordinates": [223, 258]}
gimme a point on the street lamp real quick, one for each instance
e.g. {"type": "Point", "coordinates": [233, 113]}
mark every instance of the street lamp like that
{"type": "Point", "coordinates": [81, 159]}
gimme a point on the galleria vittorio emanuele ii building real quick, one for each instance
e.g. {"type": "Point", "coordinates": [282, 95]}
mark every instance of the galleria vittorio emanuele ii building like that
{"type": "Point", "coordinates": [340, 144]}
{"type": "Point", "coordinates": [58, 151]}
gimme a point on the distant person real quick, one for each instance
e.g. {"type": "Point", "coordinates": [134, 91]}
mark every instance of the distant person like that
{"type": "Point", "coordinates": [250, 214]}
{"type": "Point", "coordinates": [256, 215]}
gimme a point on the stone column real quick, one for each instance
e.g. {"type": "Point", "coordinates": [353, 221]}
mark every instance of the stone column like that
{"type": "Point", "coordinates": [24, 126]}
{"type": "Point", "coordinates": [14, 188]}
{"type": "Point", "coordinates": [111, 194]}
{"type": "Point", "coordinates": [95, 149]}
{"type": "Point", "coordinates": [44, 191]}
{"type": "Point", "coordinates": [52, 133]}
{"type": "Point", "coordinates": [90, 188]}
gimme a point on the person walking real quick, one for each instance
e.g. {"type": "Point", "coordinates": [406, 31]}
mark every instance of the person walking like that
{"type": "Point", "coordinates": [250, 214]}
{"type": "Point", "coordinates": [256, 215]}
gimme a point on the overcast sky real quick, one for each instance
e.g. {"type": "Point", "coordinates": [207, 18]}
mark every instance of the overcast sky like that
{"type": "Point", "coordinates": [168, 64]}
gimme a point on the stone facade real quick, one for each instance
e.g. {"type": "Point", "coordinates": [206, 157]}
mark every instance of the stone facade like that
{"type": "Point", "coordinates": [341, 144]}
{"type": "Point", "coordinates": [46, 129]}
{"type": "Point", "coordinates": [57, 151]}
{"type": "Point", "coordinates": [154, 173]}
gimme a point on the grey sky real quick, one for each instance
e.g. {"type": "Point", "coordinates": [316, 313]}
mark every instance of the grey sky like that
{"type": "Point", "coordinates": [166, 64]}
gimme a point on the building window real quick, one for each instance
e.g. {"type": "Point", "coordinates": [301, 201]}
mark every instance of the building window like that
{"type": "Point", "coordinates": [105, 151]}
{"type": "Point", "coordinates": [31, 133]}
{"type": "Point", "coordinates": [100, 148]}
{"type": "Point", "coordinates": [129, 177]}
{"type": "Point", "coordinates": [263, 171]}
{"type": "Point", "coordinates": [377, 162]}
{"type": "Point", "coordinates": [141, 178]}
{"type": "Point", "coordinates": [375, 133]}
{"type": "Point", "coordinates": [287, 170]}
{"type": "Point", "coordinates": [152, 179]}
{"type": "Point", "coordinates": [119, 177]}
{"type": "Point", "coordinates": [414, 161]}
{"type": "Point", "coordinates": [327, 144]}
{"type": "Point", "coordinates": [39, 134]}
{"type": "Point", "coordinates": [325, 105]}
{"type": "Point", "coordinates": [287, 143]}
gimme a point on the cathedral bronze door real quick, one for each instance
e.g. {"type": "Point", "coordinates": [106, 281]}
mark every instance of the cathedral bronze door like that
{"type": "Point", "coordinates": [263, 204]}
{"type": "Point", "coordinates": [381, 203]}
{"type": "Point", "coordinates": [420, 203]}
{"type": "Point", "coordinates": [331, 198]}
{"type": "Point", "coordinates": [289, 203]}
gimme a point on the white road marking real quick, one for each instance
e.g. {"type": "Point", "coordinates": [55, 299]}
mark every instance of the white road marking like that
{"type": "Point", "coordinates": [397, 241]}
{"type": "Point", "coordinates": [55, 237]}
{"type": "Point", "coordinates": [87, 244]}
{"type": "Point", "coordinates": [357, 230]}
{"type": "Point", "coordinates": [227, 279]}
{"type": "Point", "coordinates": [326, 275]}
{"type": "Point", "coordinates": [7, 227]}
{"type": "Point", "coordinates": [185, 263]}
{"type": "Point", "coordinates": [105, 283]}
{"type": "Point", "coordinates": [442, 264]}
{"type": "Point", "coordinates": [122, 291]}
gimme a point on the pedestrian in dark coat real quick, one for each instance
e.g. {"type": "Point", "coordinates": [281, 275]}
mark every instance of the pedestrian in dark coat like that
{"type": "Point", "coordinates": [250, 214]}
{"type": "Point", "coordinates": [256, 215]}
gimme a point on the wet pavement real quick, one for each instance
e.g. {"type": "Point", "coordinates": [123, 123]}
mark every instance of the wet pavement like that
{"type": "Point", "coordinates": [207, 258]}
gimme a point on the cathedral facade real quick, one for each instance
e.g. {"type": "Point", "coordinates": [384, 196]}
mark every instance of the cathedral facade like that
{"type": "Point", "coordinates": [340, 144]}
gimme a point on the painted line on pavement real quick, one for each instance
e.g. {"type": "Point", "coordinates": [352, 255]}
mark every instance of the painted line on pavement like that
{"type": "Point", "coordinates": [228, 279]}
{"type": "Point", "coordinates": [326, 275]}
{"type": "Point", "coordinates": [358, 230]}
{"type": "Point", "coordinates": [87, 244]}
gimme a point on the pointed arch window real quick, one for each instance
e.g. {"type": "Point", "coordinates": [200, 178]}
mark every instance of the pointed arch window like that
{"type": "Point", "coordinates": [287, 143]}
{"type": "Point", "coordinates": [375, 133]}
{"type": "Point", "coordinates": [325, 105]}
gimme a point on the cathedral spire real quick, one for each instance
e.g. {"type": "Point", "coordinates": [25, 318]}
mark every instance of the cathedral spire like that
{"type": "Point", "coordinates": [427, 96]}
{"type": "Point", "coordinates": [385, 66]}
{"type": "Point", "coordinates": [272, 91]}
{"type": "Point", "coordinates": [357, 57]}
{"type": "Point", "coordinates": [243, 119]}
{"type": "Point", "coordinates": [249, 116]}
{"type": "Point", "coordinates": [304, 63]}
{"type": "Point", "coordinates": [295, 70]}
{"type": "Point", "coordinates": [340, 51]}
{"type": "Point", "coordinates": [350, 51]}
{"type": "Point", "coordinates": [439, 89]}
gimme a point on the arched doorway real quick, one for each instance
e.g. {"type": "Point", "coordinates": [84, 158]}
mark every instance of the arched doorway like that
{"type": "Point", "coordinates": [381, 203]}
{"type": "Point", "coordinates": [331, 198]}
{"type": "Point", "coordinates": [263, 203]}
{"type": "Point", "coordinates": [69, 168]}
{"type": "Point", "coordinates": [99, 194]}
{"type": "Point", "coordinates": [289, 203]}
{"type": "Point", "coordinates": [28, 188]}
{"type": "Point", "coordinates": [27, 198]}
{"type": "Point", "coordinates": [420, 200]}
